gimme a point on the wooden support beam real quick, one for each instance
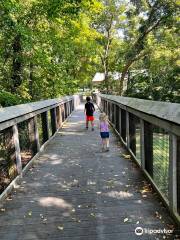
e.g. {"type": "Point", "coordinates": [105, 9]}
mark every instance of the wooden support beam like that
{"type": "Point", "coordinates": [132, 133]}
{"type": "Point", "coordinates": [33, 135]}
{"type": "Point", "coordinates": [113, 113]}
{"type": "Point", "coordinates": [123, 124]}
{"type": "Point", "coordinates": [53, 120]}
{"type": "Point", "coordinates": [173, 172]}
{"type": "Point", "coordinates": [65, 111]}
{"type": "Point", "coordinates": [178, 173]}
{"type": "Point", "coordinates": [10, 155]}
{"type": "Point", "coordinates": [119, 120]}
{"type": "Point", "coordinates": [45, 126]}
{"type": "Point", "coordinates": [62, 112]}
{"type": "Point", "coordinates": [127, 131]}
{"type": "Point", "coordinates": [142, 144]}
{"type": "Point", "coordinates": [148, 147]}
{"type": "Point", "coordinates": [17, 150]}
{"type": "Point", "coordinates": [58, 116]}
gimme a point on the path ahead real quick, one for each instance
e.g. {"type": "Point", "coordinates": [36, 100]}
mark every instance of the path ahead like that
{"type": "Point", "coordinates": [75, 192]}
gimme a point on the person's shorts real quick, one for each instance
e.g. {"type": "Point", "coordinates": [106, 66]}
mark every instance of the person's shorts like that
{"type": "Point", "coordinates": [104, 134]}
{"type": "Point", "coordinates": [90, 118]}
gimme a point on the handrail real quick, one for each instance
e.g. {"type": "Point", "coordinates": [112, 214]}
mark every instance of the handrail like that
{"type": "Point", "coordinates": [150, 131]}
{"type": "Point", "coordinates": [24, 131]}
{"type": "Point", "coordinates": [28, 109]}
{"type": "Point", "coordinates": [164, 110]}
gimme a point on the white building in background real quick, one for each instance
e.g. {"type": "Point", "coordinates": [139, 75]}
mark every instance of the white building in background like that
{"type": "Point", "coordinates": [100, 77]}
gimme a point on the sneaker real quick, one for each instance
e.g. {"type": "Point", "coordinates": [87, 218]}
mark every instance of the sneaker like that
{"type": "Point", "coordinates": [107, 149]}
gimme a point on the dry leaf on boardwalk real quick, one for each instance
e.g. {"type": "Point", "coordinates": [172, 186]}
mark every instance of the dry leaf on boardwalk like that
{"type": "Point", "coordinates": [126, 156]}
{"type": "Point", "coordinates": [60, 227]}
{"type": "Point", "coordinates": [126, 219]}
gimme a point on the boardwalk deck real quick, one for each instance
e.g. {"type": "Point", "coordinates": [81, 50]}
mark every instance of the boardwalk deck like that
{"type": "Point", "coordinates": [74, 192]}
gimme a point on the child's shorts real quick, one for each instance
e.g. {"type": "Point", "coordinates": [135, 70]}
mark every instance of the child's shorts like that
{"type": "Point", "coordinates": [89, 118]}
{"type": "Point", "coordinates": [104, 134]}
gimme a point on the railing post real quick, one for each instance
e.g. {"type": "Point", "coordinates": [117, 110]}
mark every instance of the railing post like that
{"type": "Point", "coordinates": [68, 109]}
{"type": "Point", "coordinates": [69, 103]}
{"type": "Point", "coordinates": [178, 174]}
{"type": "Point", "coordinates": [10, 153]}
{"type": "Point", "coordinates": [70, 106]}
{"type": "Point", "coordinates": [17, 150]}
{"type": "Point", "coordinates": [119, 112]}
{"type": "Point", "coordinates": [45, 126]}
{"type": "Point", "coordinates": [110, 108]}
{"type": "Point", "coordinates": [132, 133]}
{"type": "Point", "coordinates": [36, 133]}
{"type": "Point", "coordinates": [65, 111]}
{"type": "Point", "coordinates": [53, 120]}
{"type": "Point", "coordinates": [105, 106]}
{"type": "Point", "coordinates": [173, 170]}
{"type": "Point", "coordinates": [62, 112]}
{"type": "Point", "coordinates": [60, 116]}
{"type": "Point", "coordinates": [148, 147]}
{"type": "Point", "coordinates": [108, 113]}
{"type": "Point", "coordinates": [117, 118]}
{"type": "Point", "coordinates": [33, 135]}
{"type": "Point", "coordinates": [127, 131]}
{"type": "Point", "coordinates": [142, 143]}
{"type": "Point", "coordinates": [114, 113]}
{"type": "Point", "coordinates": [123, 124]}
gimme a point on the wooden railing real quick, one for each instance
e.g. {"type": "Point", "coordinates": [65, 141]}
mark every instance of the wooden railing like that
{"type": "Point", "coordinates": [24, 131]}
{"type": "Point", "coordinates": [150, 131]}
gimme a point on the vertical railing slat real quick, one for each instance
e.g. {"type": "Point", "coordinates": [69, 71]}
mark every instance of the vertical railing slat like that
{"type": "Point", "coordinates": [45, 126]}
{"type": "Point", "coordinates": [142, 144]}
{"type": "Point", "coordinates": [173, 172]}
{"type": "Point", "coordinates": [17, 149]}
{"type": "Point", "coordinates": [148, 147]}
{"type": "Point", "coordinates": [53, 120]}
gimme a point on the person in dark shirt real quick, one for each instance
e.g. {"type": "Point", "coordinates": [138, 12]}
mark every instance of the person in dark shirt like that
{"type": "Point", "coordinates": [89, 111]}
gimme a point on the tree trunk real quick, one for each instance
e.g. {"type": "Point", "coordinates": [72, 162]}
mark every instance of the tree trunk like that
{"type": "Point", "coordinates": [17, 63]}
{"type": "Point", "coordinates": [123, 74]}
{"type": "Point", "coordinates": [31, 80]}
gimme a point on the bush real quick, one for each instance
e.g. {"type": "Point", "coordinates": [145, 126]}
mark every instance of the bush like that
{"type": "Point", "coordinates": [8, 99]}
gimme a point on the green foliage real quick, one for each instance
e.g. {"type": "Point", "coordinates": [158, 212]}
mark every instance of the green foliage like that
{"type": "Point", "coordinates": [50, 48]}
{"type": "Point", "coordinates": [8, 99]}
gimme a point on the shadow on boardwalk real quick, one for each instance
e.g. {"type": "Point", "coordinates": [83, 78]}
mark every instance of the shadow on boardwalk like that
{"type": "Point", "coordinates": [75, 192]}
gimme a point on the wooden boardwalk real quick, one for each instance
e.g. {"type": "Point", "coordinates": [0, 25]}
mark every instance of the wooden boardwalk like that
{"type": "Point", "coordinates": [74, 192]}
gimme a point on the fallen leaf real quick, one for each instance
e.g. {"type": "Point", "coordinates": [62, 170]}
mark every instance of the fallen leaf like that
{"type": "Point", "coordinates": [126, 156]}
{"type": "Point", "coordinates": [61, 227]}
{"type": "Point", "coordinates": [30, 213]}
{"type": "Point", "coordinates": [98, 192]}
{"type": "Point", "coordinates": [126, 219]}
{"type": "Point", "coordinates": [157, 215]}
{"type": "Point", "coordinates": [92, 215]}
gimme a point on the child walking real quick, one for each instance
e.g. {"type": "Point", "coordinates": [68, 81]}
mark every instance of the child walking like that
{"type": "Point", "coordinates": [104, 131]}
{"type": "Point", "coordinates": [89, 111]}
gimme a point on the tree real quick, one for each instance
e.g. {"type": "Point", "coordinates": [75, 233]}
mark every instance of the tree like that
{"type": "Point", "coordinates": [156, 14]}
{"type": "Point", "coordinates": [108, 24]}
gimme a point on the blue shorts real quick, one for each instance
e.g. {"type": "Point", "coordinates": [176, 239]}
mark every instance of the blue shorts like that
{"type": "Point", "coordinates": [104, 134]}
